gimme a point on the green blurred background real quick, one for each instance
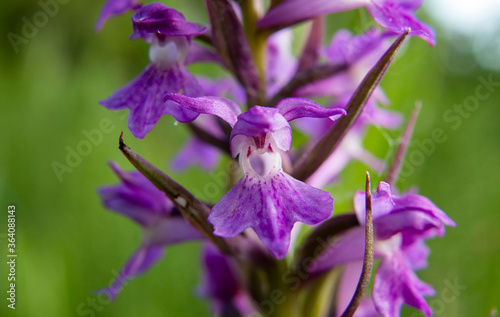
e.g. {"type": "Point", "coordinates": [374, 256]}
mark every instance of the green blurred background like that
{"type": "Point", "coordinates": [68, 245]}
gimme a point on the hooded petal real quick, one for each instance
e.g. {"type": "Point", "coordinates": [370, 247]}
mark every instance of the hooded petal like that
{"type": "Point", "coordinates": [144, 97]}
{"type": "Point", "coordinates": [157, 18]}
{"type": "Point", "coordinates": [258, 121]}
{"type": "Point", "coordinates": [141, 261]}
{"type": "Point", "coordinates": [261, 123]}
{"type": "Point", "coordinates": [270, 205]}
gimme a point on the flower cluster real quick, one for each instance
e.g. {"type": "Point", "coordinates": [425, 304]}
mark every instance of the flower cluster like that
{"type": "Point", "coordinates": [251, 245]}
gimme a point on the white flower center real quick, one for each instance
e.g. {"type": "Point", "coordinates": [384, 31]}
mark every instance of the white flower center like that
{"type": "Point", "coordinates": [163, 56]}
{"type": "Point", "coordinates": [264, 161]}
{"type": "Point", "coordinates": [164, 53]}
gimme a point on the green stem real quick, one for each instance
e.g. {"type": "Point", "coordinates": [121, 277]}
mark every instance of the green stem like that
{"type": "Point", "coordinates": [252, 12]}
{"type": "Point", "coordinates": [289, 307]}
{"type": "Point", "coordinates": [281, 301]}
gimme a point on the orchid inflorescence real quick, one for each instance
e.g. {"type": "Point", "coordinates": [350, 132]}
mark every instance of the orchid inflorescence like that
{"type": "Point", "coordinates": [253, 261]}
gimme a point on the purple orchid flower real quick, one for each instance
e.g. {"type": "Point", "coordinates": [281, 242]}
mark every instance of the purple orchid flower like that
{"type": "Point", "coordinates": [394, 15]}
{"type": "Point", "coordinates": [162, 225]}
{"type": "Point", "coordinates": [169, 35]}
{"type": "Point", "coordinates": [401, 224]}
{"type": "Point", "coordinates": [222, 285]}
{"type": "Point", "coordinates": [113, 8]}
{"type": "Point", "coordinates": [266, 198]}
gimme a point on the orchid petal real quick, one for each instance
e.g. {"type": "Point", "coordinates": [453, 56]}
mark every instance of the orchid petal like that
{"type": "Point", "coordinates": [418, 202]}
{"type": "Point", "coordinates": [141, 261]}
{"type": "Point", "coordinates": [270, 205]}
{"type": "Point", "coordinates": [395, 283]}
{"type": "Point", "coordinates": [293, 11]}
{"type": "Point", "coordinates": [398, 19]}
{"type": "Point", "coordinates": [294, 108]}
{"type": "Point", "coordinates": [144, 97]}
{"type": "Point", "coordinates": [217, 106]}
